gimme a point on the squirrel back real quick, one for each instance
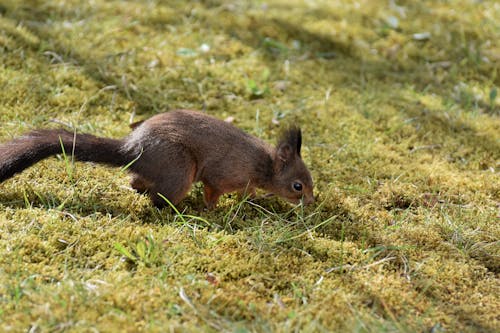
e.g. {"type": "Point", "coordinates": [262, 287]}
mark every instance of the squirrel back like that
{"type": "Point", "coordinates": [168, 152]}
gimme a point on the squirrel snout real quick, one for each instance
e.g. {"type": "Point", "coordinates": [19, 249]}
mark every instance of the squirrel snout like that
{"type": "Point", "coordinates": [308, 199]}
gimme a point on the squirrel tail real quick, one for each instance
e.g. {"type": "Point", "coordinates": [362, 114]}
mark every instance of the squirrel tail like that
{"type": "Point", "coordinates": [22, 152]}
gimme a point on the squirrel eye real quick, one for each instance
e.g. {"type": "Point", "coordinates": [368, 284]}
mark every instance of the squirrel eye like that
{"type": "Point", "coordinates": [297, 186]}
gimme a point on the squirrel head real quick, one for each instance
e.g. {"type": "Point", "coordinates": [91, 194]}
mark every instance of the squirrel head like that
{"type": "Point", "coordinates": [292, 180]}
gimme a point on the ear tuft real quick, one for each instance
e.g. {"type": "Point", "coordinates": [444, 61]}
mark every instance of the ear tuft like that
{"type": "Point", "coordinates": [288, 147]}
{"type": "Point", "coordinates": [293, 138]}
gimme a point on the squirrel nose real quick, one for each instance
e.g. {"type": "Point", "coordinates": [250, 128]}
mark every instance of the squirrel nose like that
{"type": "Point", "coordinates": [308, 199]}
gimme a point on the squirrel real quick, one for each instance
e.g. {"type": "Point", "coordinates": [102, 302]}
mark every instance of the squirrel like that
{"type": "Point", "coordinates": [170, 151]}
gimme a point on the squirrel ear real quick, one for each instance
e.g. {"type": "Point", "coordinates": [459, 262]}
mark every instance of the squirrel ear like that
{"type": "Point", "coordinates": [293, 138]}
{"type": "Point", "coordinates": [288, 147]}
{"type": "Point", "coordinates": [298, 143]}
{"type": "Point", "coordinates": [284, 152]}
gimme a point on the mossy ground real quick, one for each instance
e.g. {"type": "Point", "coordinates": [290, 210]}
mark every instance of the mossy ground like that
{"type": "Point", "coordinates": [397, 101]}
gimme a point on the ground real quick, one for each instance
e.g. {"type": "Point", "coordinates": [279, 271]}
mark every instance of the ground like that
{"type": "Point", "coordinates": [399, 108]}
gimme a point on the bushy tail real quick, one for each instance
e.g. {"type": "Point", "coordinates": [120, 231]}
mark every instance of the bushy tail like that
{"type": "Point", "coordinates": [20, 153]}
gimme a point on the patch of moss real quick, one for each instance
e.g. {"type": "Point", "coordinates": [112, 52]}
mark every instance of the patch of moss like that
{"type": "Point", "coordinates": [398, 106]}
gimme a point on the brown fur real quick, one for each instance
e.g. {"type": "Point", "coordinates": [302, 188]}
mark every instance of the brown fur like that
{"type": "Point", "coordinates": [172, 150]}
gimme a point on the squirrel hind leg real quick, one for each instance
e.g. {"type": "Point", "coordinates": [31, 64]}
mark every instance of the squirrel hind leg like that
{"type": "Point", "coordinates": [173, 184]}
{"type": "Point", "coordinates": [140, 184]}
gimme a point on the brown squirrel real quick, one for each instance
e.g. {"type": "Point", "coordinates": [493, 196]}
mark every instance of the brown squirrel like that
{"type": "Point", "coordinates": [169, 151]}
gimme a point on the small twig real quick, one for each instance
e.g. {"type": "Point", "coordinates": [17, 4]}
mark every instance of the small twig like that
{"type": "Point", "coordinates": [356, 267]}
{"type": "Point", "coordinates": [54, 56]}
{"type": "Point", "coordinates": [341, 268]}
{"type": "Point", "coordinates": [186, 299]}
{"type": "Point", "coordinates": [278, 301]}
{"type": "Point", "coordinates": [68, 214]}
{"type": "Point", "coordinates": [131, 118]}
{"type": "Point", "coordinates": [436, 146]}
{"type": "Point", "coordinates": [60, 122]}
{"type": "Point", "coordinates": [442, 64]}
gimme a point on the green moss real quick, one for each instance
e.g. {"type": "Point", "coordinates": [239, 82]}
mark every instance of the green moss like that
{"type": "Point", "coordinates": [401, 134]}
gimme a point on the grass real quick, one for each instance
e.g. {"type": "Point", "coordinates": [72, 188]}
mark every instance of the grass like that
{"type": "Point", "coordinates": [400, 116]}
